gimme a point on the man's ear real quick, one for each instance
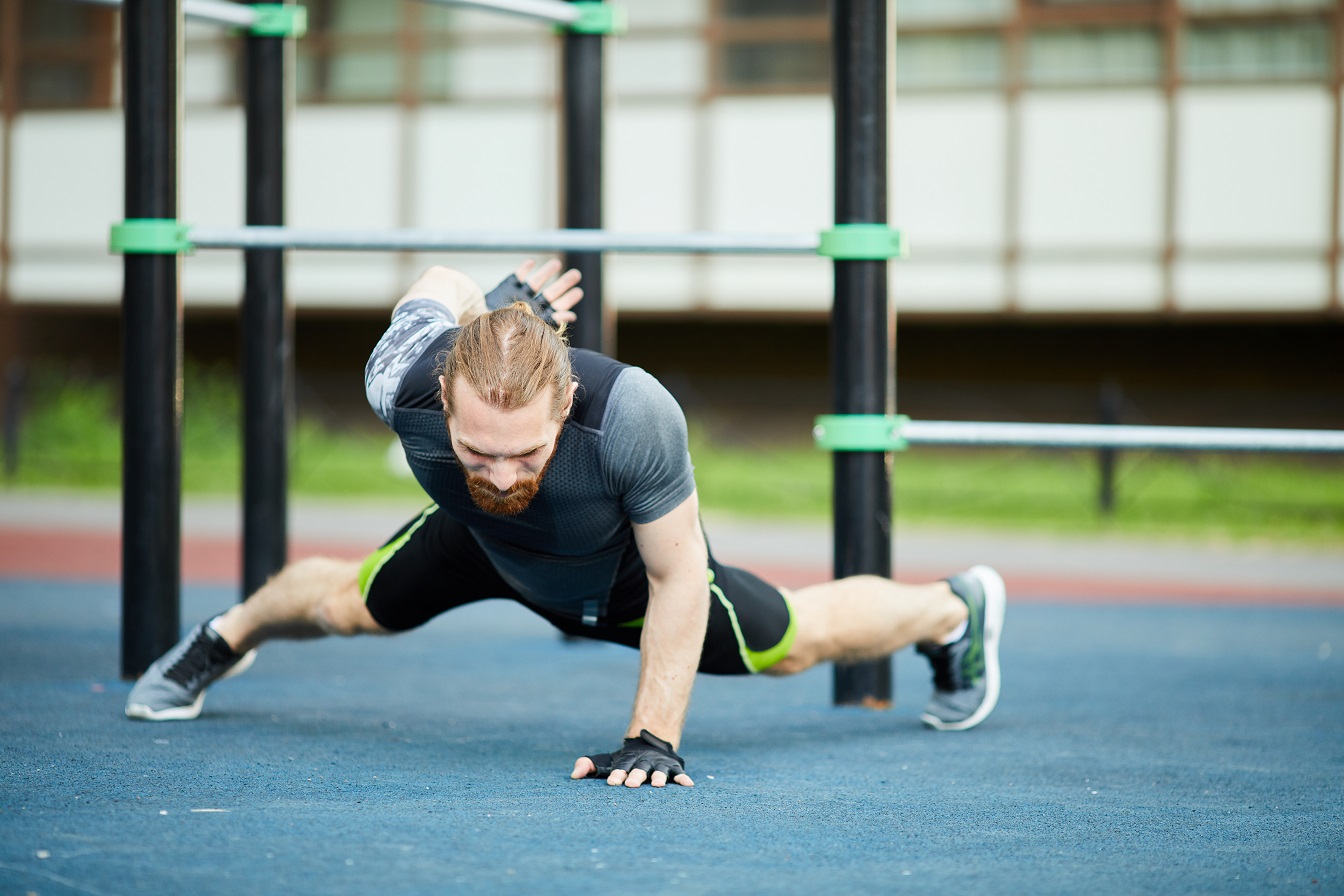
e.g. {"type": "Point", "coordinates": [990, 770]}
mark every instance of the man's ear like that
{"type": "Point", "coordinates": [443, 392]}
{"type": "Point", "coordinates": [569, 398]}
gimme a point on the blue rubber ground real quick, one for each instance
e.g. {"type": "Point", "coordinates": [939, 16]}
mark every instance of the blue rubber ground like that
{"type": "Point", "coordinates": [1135, 750]}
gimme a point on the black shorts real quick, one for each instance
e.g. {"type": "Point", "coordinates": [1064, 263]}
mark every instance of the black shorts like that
{"type": "Point", "coordinates": [434, 564]}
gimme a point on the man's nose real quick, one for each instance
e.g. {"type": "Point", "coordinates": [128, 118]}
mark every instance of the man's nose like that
{"type": "Point", "coordinates": [503, 476]}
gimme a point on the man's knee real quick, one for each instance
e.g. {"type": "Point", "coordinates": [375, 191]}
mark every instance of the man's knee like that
{"type": "Point", "coordinates": [345, 613]}
{"type": "Point", "coordinates": [339, 608]}
{"type": "Point", "coordinates": [796, 661]}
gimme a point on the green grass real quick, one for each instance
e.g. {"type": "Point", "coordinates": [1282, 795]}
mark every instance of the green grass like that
{"type": "Point", "coordinates": [1202, 496]}
{"type": "Point", "coordinates": [71, 438]}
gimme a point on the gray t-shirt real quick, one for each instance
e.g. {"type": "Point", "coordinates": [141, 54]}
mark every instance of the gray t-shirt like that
{"type": "Point", "coordinates": [621, 458]}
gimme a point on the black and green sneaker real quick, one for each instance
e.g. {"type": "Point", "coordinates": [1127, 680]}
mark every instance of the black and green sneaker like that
{"type": "Point", "coordinates": [966, 672]}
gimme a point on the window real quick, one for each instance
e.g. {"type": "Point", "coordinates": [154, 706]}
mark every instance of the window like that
{"type": "Point", "coordinates": [949, 60]}
{"type": "Point", "coordinates": [771, 45]}
{"type": "Point", "coordinates": [359, 51]}
{"type": "Point", "coordinates": [1082, 57]}
{"type": "Point", "coordinates": [352, 52]}
{"type": "Point", "coordinates": [1254, 5]}
{"type": "Point", "coordinates": [67, 55]}
{"type": "Point", "coordinates": [213, 65]}
{"type": "Point", "coordinates": [951, 12]}
{"type": "Point", "coordinates": [1262, 52]}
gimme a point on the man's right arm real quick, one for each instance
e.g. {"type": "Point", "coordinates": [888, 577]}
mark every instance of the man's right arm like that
{"type": "Point", "coordinates": [452, 289]}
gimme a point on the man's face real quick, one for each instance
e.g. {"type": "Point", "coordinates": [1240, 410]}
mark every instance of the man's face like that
{"type": "Point", "coordinates": [503, 454]}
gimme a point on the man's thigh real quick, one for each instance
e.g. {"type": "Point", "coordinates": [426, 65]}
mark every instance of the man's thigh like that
{"type": "Point", "coordinates": [429, 567]}
{"type": "Point", "coordinates": [751, 625]}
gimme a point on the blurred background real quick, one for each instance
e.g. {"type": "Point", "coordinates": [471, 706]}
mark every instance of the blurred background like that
{"type": "Point", "coordinates": [1126, 209]}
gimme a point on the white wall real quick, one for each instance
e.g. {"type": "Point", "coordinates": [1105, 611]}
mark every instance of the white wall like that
{"type": "Point", "coordinates": [212, 194]}
{"type": "Point", "coordinates": [67, 189]}
{"type": "Point", "coordinates": [947, 189]}
{"type": "Point", "coordinates": [769, 167]}
{"type": "Point", "coordinates": [1254, 175]}
{"type": "Point", "coordinates": [1091, 183]}
{"type": "Point", "coordinates": [1091, 170]}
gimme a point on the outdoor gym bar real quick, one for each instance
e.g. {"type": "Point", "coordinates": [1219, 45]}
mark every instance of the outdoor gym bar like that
{"type": "Point", "coordinates": [1063, 435]}
{"type": "Point", "coordinates": [484, 241]}
{"type": "Point", "coordinates": [893, 432]}
{"type": "Point", "coordinates": [556, 11]}
{"type": "Point", "coordinates": [218, 12]}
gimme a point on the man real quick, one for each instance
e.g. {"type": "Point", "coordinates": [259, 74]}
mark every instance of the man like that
{"type": "Point", "coordinates": [562, 480]}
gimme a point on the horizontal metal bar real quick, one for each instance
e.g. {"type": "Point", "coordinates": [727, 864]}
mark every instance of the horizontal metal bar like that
{"type": "Point", "coordinates": [485, 241]}
{"type": "Point", "coordinates": [1064, 435]}
{"type": "Point", "coordinates": [555, 11]}
{"type": "Point", "coordinates": [219, 12]}
{"type": "Point", "coordinates": [945, 254]}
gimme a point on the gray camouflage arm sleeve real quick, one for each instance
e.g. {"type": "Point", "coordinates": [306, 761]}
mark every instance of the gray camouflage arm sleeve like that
{"type": "Point", "coordinates": [415, 326]}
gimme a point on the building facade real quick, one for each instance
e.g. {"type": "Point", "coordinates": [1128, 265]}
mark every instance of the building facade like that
{"type": "Point", "coordinates": [1058, 162]}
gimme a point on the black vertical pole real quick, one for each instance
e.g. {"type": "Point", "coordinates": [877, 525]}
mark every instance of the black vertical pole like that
{"type": "Point", "coordinates": [861, 356]}
{"type": "Point", "coordinates": [16, 381]}
{"type": "Point", "coordinates": [1110, 399]}
{"type": "Point", "coordinates": [267, 326]}
{"type": "Point", "coordinates": [151, 342]}
{"type": "Point", "coordinates": [582, 122]}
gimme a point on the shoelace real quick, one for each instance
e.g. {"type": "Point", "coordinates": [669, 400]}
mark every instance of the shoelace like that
{"type": "Point", "coordinates": [198, 658]}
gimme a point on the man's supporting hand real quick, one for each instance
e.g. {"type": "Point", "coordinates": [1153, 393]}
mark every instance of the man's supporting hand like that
{"type": "Point", "coordinates": [640, 759]}
{"type": "Point", "coordinates": [553, 302]}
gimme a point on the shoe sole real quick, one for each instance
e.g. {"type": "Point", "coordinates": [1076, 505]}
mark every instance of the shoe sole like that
{"type": "Point", "coordinates": [191, 710]}
{"type": "Point", "coordinates": [996, 603]}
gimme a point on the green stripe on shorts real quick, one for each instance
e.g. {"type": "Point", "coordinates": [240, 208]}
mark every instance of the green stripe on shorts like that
{"type": "Point", "coordinates": [756, 660]}
{"type": "Point", "coordinates": [374, 562]}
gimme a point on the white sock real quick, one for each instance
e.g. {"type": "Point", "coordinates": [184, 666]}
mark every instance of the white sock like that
{"type": "Point", "coordinates": [956, 634]}
{"type": "Point", "coordinates": [215, 628]}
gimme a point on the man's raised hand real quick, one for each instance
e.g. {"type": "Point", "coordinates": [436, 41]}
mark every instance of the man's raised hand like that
{"type": "Point", "coordinates": [552, 297]}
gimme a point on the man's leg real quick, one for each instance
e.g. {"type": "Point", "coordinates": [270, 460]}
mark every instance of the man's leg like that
{"type": "Point", "coordinates": [307, 599]}
{"type": "Point", "coordinates": [311, 598]}
{"type": "Point", "coordinates": [955, 624]}
{"type": "Point", "coordinates": [865, 617]}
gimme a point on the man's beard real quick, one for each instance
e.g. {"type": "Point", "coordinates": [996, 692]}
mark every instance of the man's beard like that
{"type": "Point", "coordinates": [513, 501]}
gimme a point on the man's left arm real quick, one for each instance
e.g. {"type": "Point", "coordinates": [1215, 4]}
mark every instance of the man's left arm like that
{"type": "Point", "coordinates": [465, 301]}
{"type": "Point", "coordinates": [674, 554]}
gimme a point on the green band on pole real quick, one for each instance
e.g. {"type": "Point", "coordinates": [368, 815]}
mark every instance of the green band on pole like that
{"type": "Point", "coordinates": [598, 18]}
{"type": "Point", "coordinates": [862, 242]}
{"type": "Point", "coordinates": [150, 236]}
{"type": "Point", "coordinates": [279, 20]}
{"type": "Point", "coordinates": [860, 432]}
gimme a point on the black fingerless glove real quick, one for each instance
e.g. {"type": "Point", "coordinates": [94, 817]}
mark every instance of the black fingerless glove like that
{"type": "Point", "coordinates": [511, 290]}
{"type": "Point", "coordinates": [646, 752]}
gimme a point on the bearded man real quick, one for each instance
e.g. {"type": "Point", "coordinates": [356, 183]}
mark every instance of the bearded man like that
{"type": "Point", "coordinates": [561, 480]}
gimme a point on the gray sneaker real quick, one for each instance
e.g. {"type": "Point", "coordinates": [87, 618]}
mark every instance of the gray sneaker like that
{"type": "Point", "coordinates": [966, 673]}
{"type": "Point", "coordinates": [173, 689]}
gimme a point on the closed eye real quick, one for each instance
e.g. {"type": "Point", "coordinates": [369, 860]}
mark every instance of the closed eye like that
{"type": "Point", "coordinates": [472, 454]}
